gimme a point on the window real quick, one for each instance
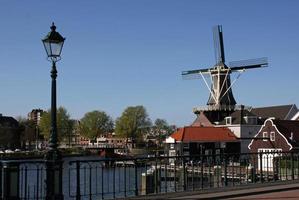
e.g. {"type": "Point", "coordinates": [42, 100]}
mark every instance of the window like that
{"type": "Point", "coordinates": [172, 153]}
{"type": "Point", "coordinates": [228, 120]}
{"type": "Point", "coordinates": [265, 136]}
{"type": "Point", "coordinates": [186, 145]}
{"type": "Point", "coordinates": [272, 136]}
{"type": "Point", "coordinates": [172, 146]}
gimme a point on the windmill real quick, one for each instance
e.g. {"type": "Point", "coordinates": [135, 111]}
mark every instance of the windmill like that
{"type": "Point", "coordinates": [221, 101]}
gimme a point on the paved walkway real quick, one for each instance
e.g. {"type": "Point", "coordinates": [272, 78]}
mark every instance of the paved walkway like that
{"type": "Point", "coordinates": [275, 190]}
{"type": "Point", "coordinates": [290, 194]}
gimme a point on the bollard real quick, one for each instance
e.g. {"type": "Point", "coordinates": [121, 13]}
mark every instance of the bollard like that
{"type": "Point", "coordinates": [10, 181]}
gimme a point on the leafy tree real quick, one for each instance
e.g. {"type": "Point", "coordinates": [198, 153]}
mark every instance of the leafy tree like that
{"type": "Point", "coordinates": [161, 129]}
{"type": "Point", "coordinates": [28, 130]}
{"type": "Point", "coordinates": [64, 124]}
{"type": "Point", "coordinates": [132, 122]}
{"type": "Point", "coordinates": [95, 123]}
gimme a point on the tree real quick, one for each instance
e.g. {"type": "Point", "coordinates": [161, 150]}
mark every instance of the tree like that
{"type": "Point", "coordinates": [64, 124]}
{"type": "Point", "coordinates": [132, 122]}
{"type": "Point", "coordinates": [161, 129]}
{"type": "Point", "coordinates": [28, 130]}
{"type": "Point", "coordinates": [95, 123]}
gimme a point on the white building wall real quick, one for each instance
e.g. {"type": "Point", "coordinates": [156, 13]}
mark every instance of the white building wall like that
{"type": "Point", "coordinates": [245, 133]}
{"type": "Point", "coordinates": [248, 131]}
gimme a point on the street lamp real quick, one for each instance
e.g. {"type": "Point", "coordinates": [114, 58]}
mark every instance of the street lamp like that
{"type": "Point", "coordinates": [53, 43]}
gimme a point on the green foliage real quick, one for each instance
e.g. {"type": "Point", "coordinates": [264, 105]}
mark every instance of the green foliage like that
{"type": "Point", "coordinates": [27, 129]}
{"type": "Point", "coordinates": [64, 124]}
{"type": "Point", "coordinates": [95, 123]}
{"type": "Point", "coordinates": [162, 129]}
{"type": "Point", "coordinates": [132, 122]}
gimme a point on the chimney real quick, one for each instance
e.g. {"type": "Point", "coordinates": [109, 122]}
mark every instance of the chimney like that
{"type": "Point", "coordinates": [242, 114]}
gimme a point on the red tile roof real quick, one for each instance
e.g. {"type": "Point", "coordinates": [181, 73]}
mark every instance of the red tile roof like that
{"type": "Point", "coordinates": [206, 134]}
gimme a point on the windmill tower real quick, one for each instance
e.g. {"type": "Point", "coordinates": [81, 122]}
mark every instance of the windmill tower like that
{"type": "Point", "coordinates": [221, 102]}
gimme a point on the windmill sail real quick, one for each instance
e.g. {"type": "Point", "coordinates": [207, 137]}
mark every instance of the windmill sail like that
{"type": "Point", "coordinates": [194, 74]}
{"type": "Point", "coordinates": [218, 44]}
{"type": "Point", "coordinates": [248, 64]}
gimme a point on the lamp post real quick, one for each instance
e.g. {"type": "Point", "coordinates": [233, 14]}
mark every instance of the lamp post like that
{"type": "Point", "coordinates": [53, 43]}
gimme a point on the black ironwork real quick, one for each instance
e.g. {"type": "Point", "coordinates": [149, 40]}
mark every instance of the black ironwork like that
{"type": "Point", "coordinates": [128, 177]}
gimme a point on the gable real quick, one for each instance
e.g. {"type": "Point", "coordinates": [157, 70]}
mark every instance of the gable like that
{"type": "Point", "coordinates": [268, 128]}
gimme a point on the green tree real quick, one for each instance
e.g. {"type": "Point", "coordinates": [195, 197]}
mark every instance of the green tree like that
{"type": "Point", "coordinates": [161, 130]}
{"type": "Point", "coordinates": [132, 122]}
{"type": "Point", "coordinates": [64, 124]}
{"type": "Point", "coordinates": [28, 131]}
{"type": "Point", "coordinates": [95, 123]}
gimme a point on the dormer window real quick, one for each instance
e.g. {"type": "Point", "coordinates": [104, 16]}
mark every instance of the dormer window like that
{"type": "Point", "coordinates": [228, 120]}
{"type": "Point", "coordinates": [252, 120]}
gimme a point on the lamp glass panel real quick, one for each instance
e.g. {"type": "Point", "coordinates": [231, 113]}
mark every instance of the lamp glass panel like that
{"type": "Point", "coordinates": [56, 49]}
{"type": "Point", "coordinates": [48, 48]}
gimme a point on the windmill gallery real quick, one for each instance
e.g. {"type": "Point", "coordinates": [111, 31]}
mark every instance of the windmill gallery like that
{"type": "Point", "coordinates": [222, 126]}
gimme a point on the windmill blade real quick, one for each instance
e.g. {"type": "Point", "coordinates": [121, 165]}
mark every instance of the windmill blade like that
{"type": "Point", "coordinates": [194, 74]}
{"type": "Point", "coordinates": [218, 44]}
{"type": "Point", "coordinates": [248, 64]}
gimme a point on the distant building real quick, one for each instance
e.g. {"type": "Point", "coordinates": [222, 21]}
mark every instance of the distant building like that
{"type": "Point", "coordinates": [35, 115]}
{"type": "Point", "coordinates": [296, 117]}
{"type": "Point", "coordinates": [190, 141]}
{"type": "Point", "coordinates": [244, 125]}
{"type": "Point", "coordinates": [282, 112]}
{"type": "Point", "coordinates": [9, 133]}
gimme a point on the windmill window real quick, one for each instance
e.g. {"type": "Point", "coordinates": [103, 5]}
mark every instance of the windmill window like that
{"type": "Point", "coordinates": [228, 120]}
{"type": "Point", "coordinates": [265, 136]}
{"type": "Point", "coordinates": [272, 136]}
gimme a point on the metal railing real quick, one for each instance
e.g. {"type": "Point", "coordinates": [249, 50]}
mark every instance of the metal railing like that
{"type": "Point", "coordinates": [128, 177]}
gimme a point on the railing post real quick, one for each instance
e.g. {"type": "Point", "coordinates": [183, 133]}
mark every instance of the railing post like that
{"type": "Point", "coordinates": [225, 169]}
{"type": "Point", "coordinates": [292, 165]}
{"type": "Point", "coordinates": [10, 181]}
{"type": "Point", "coordinates": [201, 169]}
{"type": "Point", "coordinates": [261, 166]}
{"type": "Point", "coordinates": [184, 174]}
{"type": "Point", "coordinates": [1, 184]}
{"type": "Point", "coordinates": [136, 184]}
{"type": "Point", "coordinates": [156, 174]}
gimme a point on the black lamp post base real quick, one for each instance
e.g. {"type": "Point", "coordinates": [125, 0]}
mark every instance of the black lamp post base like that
{"type": "Point", "coordinates": [54, 166]}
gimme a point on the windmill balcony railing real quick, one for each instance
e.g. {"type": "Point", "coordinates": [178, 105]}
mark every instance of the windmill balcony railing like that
{"type": "Point", "coordinates": [220, 107]}
{"type": "Point", "coordinates": [86, 178]}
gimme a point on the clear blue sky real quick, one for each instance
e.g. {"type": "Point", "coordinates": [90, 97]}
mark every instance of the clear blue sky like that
{"type": "Point", "coordinates": [126, 53]}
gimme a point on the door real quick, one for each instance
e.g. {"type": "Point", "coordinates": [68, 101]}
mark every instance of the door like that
{"type": "Point", "coordinates": [267, 158]}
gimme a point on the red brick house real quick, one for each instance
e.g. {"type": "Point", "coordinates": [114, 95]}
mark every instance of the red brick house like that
{"type": "Point", "coordinates": [275, 136]}
{"type": "Point", "coordinates": [282, 135]}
